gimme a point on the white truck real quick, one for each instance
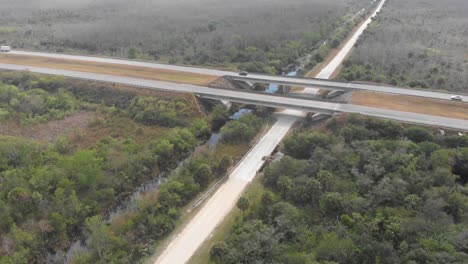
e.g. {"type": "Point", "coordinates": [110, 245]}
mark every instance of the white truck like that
{"type": "Point", "coordinates": [5, 48]}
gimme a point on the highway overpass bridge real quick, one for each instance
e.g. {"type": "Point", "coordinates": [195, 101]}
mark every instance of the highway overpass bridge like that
{"type": "Point", "coordinates": [255, 98]}
{"type": "Point", "coordinates": [338, 86]}
{"type": "Point", "coordinates": [253, 78]}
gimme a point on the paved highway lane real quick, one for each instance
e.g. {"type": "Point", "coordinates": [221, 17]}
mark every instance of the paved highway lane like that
{"type": "Point", "coordinates": [197, 70]}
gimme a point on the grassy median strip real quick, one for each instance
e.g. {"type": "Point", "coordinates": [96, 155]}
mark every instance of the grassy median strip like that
{"type": "Point", "coordinates": [109, 68]}
{"type": "Point", "coordinates": [413, 104]}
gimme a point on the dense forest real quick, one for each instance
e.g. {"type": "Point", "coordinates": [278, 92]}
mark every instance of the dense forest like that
{"type": "Point", "coordinates": [263, 36]}
{"type": "Point", "coordinates": [414, 44]}
{"type": "Point", "coordinates": [357, 190]}
{"type": "Point", "coordinates": [56, 197]}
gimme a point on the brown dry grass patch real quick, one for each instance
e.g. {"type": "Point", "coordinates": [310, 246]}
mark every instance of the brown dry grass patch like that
{"type": "Point", "coordinates": [117, 127]}
{"type": "Point", "coordinates": [411, 104]}
{"type": "Point", "coordinates": [109, 68]}
{"type": "Point", "coordinates": [49, 131]}
{"type": "Point", "coordinates": [84, 129]}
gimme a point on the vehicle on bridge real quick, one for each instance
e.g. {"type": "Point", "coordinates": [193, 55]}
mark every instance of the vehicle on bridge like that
{"type": "Point", "coordinates": [243, 73]}
{"type": "Point", "coordinates": [5, 48]}
{"type": "Point", "coordinates": [456, 98]}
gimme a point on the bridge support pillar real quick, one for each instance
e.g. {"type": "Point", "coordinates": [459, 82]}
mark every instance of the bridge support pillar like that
{"type": "Point", "coordinates": [284, 89]}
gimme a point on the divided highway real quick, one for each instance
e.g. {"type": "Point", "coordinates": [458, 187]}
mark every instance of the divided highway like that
{"type": "Point", "coordinates": [320, 82]}
{"type": "Point", "coordinates": [279, 101]}
{"type": "Point", "coordinates": [341, 86]}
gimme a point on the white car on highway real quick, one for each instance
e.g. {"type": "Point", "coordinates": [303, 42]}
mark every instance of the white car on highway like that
{"type": "Point", "coordinates": [456, 98]}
